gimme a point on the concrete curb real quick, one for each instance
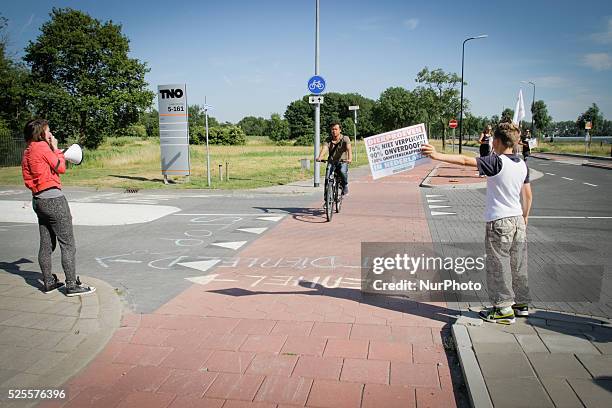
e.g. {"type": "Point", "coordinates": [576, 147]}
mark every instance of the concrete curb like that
{"type": "Point", "coordinates": [474, 381]}
{"type": "Point", "coordinates": [599, 166]}
{"type": "Point", "coordinates": [583, 156]}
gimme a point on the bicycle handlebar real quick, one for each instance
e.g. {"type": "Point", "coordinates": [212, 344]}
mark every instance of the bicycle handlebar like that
{"type": "Point", "coordinates": [325, 161]}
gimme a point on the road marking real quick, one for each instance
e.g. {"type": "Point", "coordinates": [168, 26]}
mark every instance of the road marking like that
{"type": "Point", "coordinates": [552, 217]}
{"type": "Point", "coordinates": [253, 230]}
{"type": "Point", "coordinates": [275, 219]}
{"type": "Point", "coordinates": [439, 206]}
{"type": "Point", "coordinates": [433, 195]}
{"type": "Point", "coordinates": [437, 201]}
{"type": "Point", "coordinates": [434, 213]}
{"type": "Point", "coordinates": [589, 184]}
{"type": "Point", "coordinates": [551, 174]}
{"type": "Point", "coordinates": [206, 279]}
{"type": "Point", "coordinates": [230, 245]}
{"type": "Point", "coordinates": [567, 178]}
{"type": "Point", "coordinates": [200, 265]}
{"type": "Point", "coordinates": [238, 215]}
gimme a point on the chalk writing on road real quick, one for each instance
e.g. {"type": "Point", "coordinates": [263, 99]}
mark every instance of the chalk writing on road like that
{"type": "Point", "coordinates": [281, 280]}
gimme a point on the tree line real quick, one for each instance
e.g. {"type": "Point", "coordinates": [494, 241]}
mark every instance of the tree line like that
{"type": "Point", "coordinates": [78, 74]}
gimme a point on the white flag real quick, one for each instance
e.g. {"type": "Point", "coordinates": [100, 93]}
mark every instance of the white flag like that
{"type": "Point", "coordinates": [519, 111]}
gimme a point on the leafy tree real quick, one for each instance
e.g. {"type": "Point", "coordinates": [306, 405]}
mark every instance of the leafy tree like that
{"type": "Point", "coordinates": [226, 135]}
{"type": "Point", "coordinates": [278, 128]}
{"type": "Point", "coordinates": [564, 128]}
{"type": "Point", "coordinates": [300, 118]}
{"type": "Point", "coordinates": [396, 108]}
{"type": "Point", "coordinates": [593, 115]}
{"type": "Point", "coordinates": [540, 115]}
{"type": "Point", "coordinates": [14, 82]}
{"type": "Point", "coordinates": [83, 80]}
{"type": "Point", "coordinates": [507, 115]}
{"type": "Point", "coordinates": [438, 96]}
{"type": "Point", "coordinates": [150, 120]}
{"type": "Point", "coordinates": [253, 126]}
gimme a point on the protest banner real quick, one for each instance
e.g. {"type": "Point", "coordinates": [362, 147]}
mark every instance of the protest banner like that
{"type": "Point", "coordinates": [396, 151]}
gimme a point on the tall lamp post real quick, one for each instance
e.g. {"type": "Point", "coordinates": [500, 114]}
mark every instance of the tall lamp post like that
{"type": "Point", "coordinates": [461, 113]}
{"type": "Point", "coordinates": [532, 107]}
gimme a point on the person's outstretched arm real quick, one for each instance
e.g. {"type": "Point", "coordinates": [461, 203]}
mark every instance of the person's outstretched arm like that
{"type": "Point", "coordinates": [430, 151]}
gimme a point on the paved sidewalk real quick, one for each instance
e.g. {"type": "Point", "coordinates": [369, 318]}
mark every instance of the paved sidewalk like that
{"type": "Point", "coordinates": [551, 359]}
{"type": "Point", "coordinates": [262, 336]}
{"type": "Point", "coordinates": [47, 338]}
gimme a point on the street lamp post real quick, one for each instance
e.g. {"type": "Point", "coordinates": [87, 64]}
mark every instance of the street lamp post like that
{"type": "Point", "coordinates": [532, 107]}
{"type": "Point", "coordinates": [461, 113]}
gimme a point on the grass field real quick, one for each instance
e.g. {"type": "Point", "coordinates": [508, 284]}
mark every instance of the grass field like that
{"type": "Point", "coordinates": [135, 164]}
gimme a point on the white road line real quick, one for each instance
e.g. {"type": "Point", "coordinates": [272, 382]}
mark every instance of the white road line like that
{"type": "Point", "coordinates": [434, 213]}
{"type": "Point", "coordinates": [238, 215]}
{"type": "Point", "coordinates": [436, 201]}
{"type": "Point", "coordinates": [551, 174]}
{"type": "Point", "coordinates": [552, 217]}
{"type": "Point", "coordinates": [439, 206]}
{"type": "Point", "coordinates": [433, 195]}
{"type": "Point", "coordinates": [589, 184]}
{"type": "Point", "coordinates": [567, 178]}
{"type": "Point", "coordinates": [230, 245]}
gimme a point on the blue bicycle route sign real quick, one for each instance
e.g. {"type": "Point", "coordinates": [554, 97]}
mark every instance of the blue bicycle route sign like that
{"type": "Point", "coordinates": [316, 84]}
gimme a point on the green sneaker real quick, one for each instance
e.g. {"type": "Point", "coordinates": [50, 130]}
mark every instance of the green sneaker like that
{"type": "Point", "coordinates": [497, 315]}
{"type": "Point", "coordinates": [520, 309]}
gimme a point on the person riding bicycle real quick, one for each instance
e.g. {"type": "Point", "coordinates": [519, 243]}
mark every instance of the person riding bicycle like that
{"type": "Point", "coordinates": [340, 154]}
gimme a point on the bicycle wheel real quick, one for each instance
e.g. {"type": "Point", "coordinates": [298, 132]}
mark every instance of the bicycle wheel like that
{"type": "Point", "coordinates": [338, 196]}
{"type": "Point", "coordinates": [329, 200]}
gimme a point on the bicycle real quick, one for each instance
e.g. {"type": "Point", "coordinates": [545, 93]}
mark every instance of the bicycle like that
{"type": "Point", "coordinates": [315, 85]}
{"type": "Point", "coordinates": [332, 194]}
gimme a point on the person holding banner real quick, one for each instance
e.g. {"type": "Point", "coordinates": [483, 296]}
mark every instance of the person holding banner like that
{"type": "Point", "coordinates": [525, 144]}
{"type": "Point", "coordinates": [485, 148]}
{"type": "Point", "coordinates": [340, 153]}
{"type": "Point", "coordinates": [41, 166]}
{"type": "Point", "coordinates": [508, 203]}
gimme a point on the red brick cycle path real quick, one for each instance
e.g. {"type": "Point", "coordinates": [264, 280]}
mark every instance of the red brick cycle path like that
{"type": "Point", "coordinates": [270, 337]}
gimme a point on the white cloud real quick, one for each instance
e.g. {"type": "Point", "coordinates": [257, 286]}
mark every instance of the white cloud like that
{"type": "Point", "coordinates": [599, 61]}
{"type": "Point", "coordinates": [411, 23]}
{"type": "Point", "coordinates": [606, 36]}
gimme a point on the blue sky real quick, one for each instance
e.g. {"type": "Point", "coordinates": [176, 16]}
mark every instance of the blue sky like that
{"type": "Point", "coordinates": [255, 57]}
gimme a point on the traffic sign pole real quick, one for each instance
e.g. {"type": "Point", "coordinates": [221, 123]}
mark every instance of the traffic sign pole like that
{"type": "Point", "coordinates": [317, 165]}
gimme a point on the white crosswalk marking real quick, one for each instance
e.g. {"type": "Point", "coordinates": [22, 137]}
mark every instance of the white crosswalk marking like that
{"type": "Point", "coordinates": [230, 245]}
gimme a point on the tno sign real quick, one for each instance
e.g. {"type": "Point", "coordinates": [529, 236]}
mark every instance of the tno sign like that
{"type": "Point", "coordinates": [171, 93]}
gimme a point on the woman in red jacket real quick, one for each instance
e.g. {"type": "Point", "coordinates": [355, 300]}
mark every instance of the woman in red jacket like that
{"type": "Point", "coordinates": [41, 166]}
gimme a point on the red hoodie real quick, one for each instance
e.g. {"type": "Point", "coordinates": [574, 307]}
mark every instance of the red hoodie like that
{"type": "Point", "coordinates": [42, 166]}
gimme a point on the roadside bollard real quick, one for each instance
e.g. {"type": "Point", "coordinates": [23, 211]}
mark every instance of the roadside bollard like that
{"type": "Point", "coordinates": [226, 171]}
{"type": "Point", "coordinates": [220, 172]}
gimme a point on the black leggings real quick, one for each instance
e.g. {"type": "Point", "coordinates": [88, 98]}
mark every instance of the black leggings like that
{"type": "Point", "coordinates": [55, 224]}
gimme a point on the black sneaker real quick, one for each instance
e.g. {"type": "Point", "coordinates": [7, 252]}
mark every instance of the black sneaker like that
{"type": "Point", "coordinates": [521, 309]}
{"type": "Point", "coordinates": [497, 315]}
{"type": "Point", "coordinates": [52, 285]}
{"type": "Point", "coordinates": [79, 289]}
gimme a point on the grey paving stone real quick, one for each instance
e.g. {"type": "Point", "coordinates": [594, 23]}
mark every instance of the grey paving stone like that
{"type": "Point", "coordinates": [47, 362]}
{"type": "Point", "coordinates": [70, 342]}
{"type": "Point", "coordinates": [21, 380]}
{"type": "Point", "coordinates": [562, 394]}
{"type": "Point", "coordinates": [58, 323]}
{"type": "Point", "coordinates": [86, 326]}
{"type": "Point", "coordinates": [24, 319]}
{"type": "Point", "coordinates": [492, 348]}
{"type": "Point", "coordinates": [7, 314]}
{"type": "Point", "coordinates": [520, 327]}
{"type": "Point", "coordinates": [500, 365]}
{"type": "Point", "coordinates": [6, 374]}
{"type": "Point", "coordinates": [594, 394]}
{"type": "Point", "coordinates": [64, 309]}
{"type": "Point", "coordinates": [603, 347]}
{"type": "Point", "coordinates": [504, 393]}
{"type": "Point", "coordinates": [568, 344]}
{"type": "Point", "coordinates": [20, 358]}
{"type": "Point", "coordinates": [24, 337]}
{"type": "Point", "coordinates": [489, 335]}
{"type": "Point", "coordinates": [531, 343]}
{"type": "Point", "coordinates": [598, 366]}
{"type": "Point", "coordinates": [89, 312]}
{"type": "Point", "coordinates": [557, 365]}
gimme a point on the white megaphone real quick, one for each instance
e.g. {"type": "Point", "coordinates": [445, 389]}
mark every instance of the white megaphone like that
{"type": "Point", "coordinates": [74, 154]}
